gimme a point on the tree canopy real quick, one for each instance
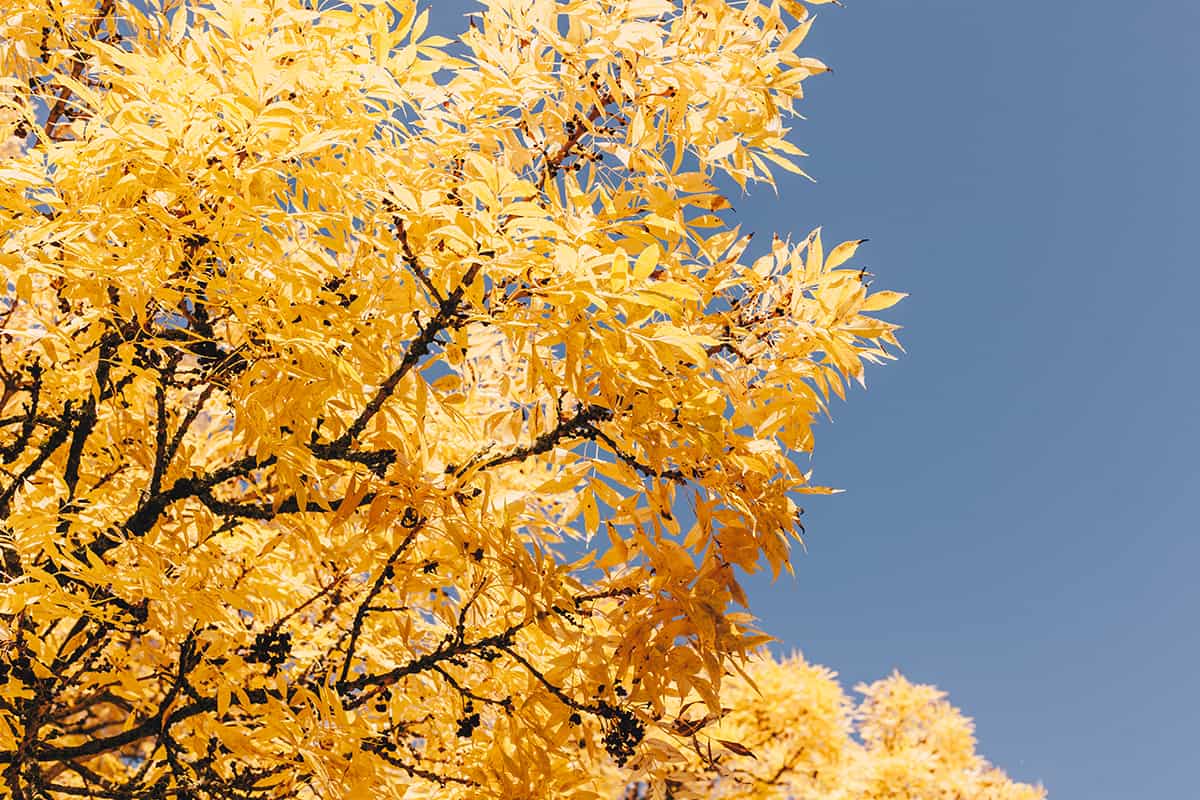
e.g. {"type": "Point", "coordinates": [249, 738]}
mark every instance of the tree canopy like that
{"type": "Point", "coordinates": [787, 730]}
{"type": "Point", "coordinates": [390, 416]}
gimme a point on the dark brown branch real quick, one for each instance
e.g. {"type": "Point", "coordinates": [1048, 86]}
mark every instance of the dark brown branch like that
{"type": "Point", "coordinates": [385, 574]}
{"type": "Point", "coordinates": [91, 780]}
{"type": "Point", "coordinates": [557, 691]}
{"type": "Point", "coordinates": [624, 591]}
{"type": "Point", "coordinates": [650, 472]}
{"type": "Point", "coordinates": [160, 439]}
{"type": "Point", "coordinates": [448, 649]}
{"type": "Point", "coordinates": [54, 441]}
{"type": "Point", "coordinates": [142, 520]}
{"type": "Point", "coordinates": [580, 425]}
{"type": "Point", "coordinates": [410, 258]}
{"type": "Point", "coordinates": [414, 770]}
{"type": "Point", "coordinates": [186, 422]}
{"type": "Point", "coordinates": [60, 102]}
{"type": "Point", "coordinates": [375, 460]}
{"type": "Point", "coordinates": [10, 453]}
{"type": "Point", "coordinates": [254, 511]}
{"type": "Point", "coordinates": [12, 559]}
{"type": "Point", "coordinates": [554, 163]}
{"type": "Point", "coordinates": [448, 309]}
{"type": "Point", "coordinates": [333, 585]}
{"type": "Point", "coordinates": [505, 702]}
{"type": "Point", "coordinates": [88, 417]}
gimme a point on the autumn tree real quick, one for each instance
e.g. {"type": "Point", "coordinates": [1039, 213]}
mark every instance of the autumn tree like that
{"type": "Point", "coordinates": [389, 416]}
{"type": "Point", "coordinates": [786, 729]}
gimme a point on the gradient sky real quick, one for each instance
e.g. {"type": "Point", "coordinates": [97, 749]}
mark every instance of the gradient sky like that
{"type": "Point", "coordinates": [1017, 526]}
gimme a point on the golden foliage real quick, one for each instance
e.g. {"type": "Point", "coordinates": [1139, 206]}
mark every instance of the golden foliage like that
{"type": "Point", "coordinates": [354, 380]}
{"type": "Point", "coordinates": [787, 730]}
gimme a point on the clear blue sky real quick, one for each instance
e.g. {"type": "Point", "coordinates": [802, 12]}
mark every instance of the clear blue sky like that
{"type": "Point", "coordinates": [1019, 525]}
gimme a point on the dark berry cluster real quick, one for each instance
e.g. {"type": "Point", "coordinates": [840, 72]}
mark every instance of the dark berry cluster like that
{"type": "Point", "coordinates": [382, 699]}
{"type": "Point", "coordinates": [625, 732]}
{"type": "Point", "coordinates": [469, 721]}
{"type": "Point", "coordinates": [382, 743]}
{"type": "Point", "coordinates": [568, 615]}
{"type": "Point", "coordinates": [270, 647]}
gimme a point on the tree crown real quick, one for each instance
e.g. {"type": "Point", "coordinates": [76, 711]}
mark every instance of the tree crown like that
{"type": "Point", "coordinates": [325, 342]}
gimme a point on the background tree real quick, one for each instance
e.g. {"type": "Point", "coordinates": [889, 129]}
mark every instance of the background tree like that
{"type": "Point", "coordinates": [354, 383]}
{"type": "Point", "coordinates": [787, 730]}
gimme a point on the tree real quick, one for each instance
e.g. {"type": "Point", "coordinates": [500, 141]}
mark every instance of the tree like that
{"type": "Point", "coordinates": [390, 416]}
{"type": "Point", "coordinates": [787, 730]}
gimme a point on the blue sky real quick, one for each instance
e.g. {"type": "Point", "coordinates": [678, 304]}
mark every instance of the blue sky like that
{"type": "Point", "coordinates": [1018, 526]}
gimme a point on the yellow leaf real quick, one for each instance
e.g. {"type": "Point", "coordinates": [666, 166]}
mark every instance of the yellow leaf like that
{"type": "Point", "coordinates": [814, 65]}
{"type": "Point", "coordinates": [591, 514]}
{"type": "Point", "coordinates": [675, 289]}
{"type": "Point", "coordinates": [646, 262]}
{"type": "Point", "coordinates": [738, 747]}
{"type": "Point", "coordinates": [224, 695]}
{"type": "Point", "coordinates": [637, 128]}
{"type": "Point", "coordinates": [882, 299]}
{"type": "Point", "coordinates": [842, 253]}
{"type": "Point", "coordinates": [816, 256]}
{"type": "Point", "coordinates": [619, 274]}
{"type": "Point", "coordinates": [24, 287]}
{"type": "Point", "coordinates": [721, 150]}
